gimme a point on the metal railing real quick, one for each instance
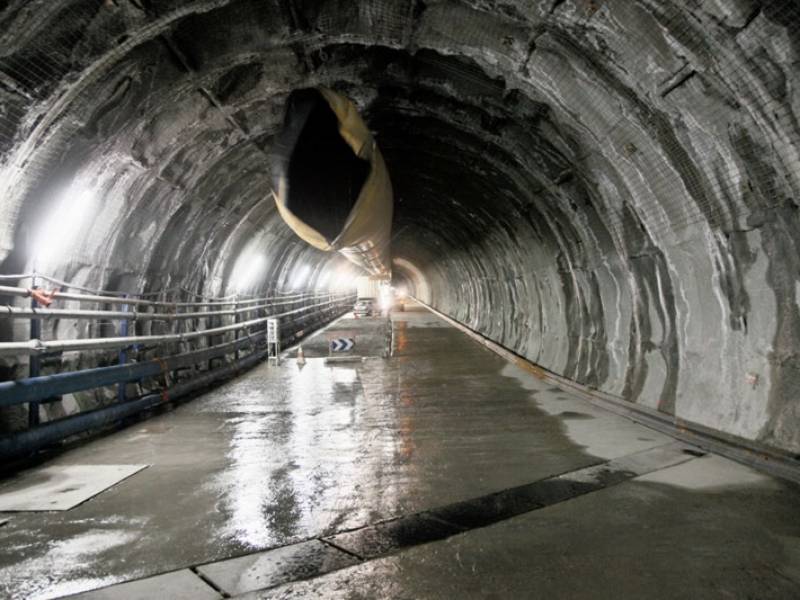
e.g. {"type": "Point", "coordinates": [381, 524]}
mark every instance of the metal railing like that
{"type": "Point", "coordinates": [35, 346]}
{"type": "Point", "coordinates": [144, 359]}
{"type": "Point", "coordinates": [23, 292]}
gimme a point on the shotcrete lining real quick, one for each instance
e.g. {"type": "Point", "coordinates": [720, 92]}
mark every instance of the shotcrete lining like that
{"type": "Point", "coordinates": [609, 189]}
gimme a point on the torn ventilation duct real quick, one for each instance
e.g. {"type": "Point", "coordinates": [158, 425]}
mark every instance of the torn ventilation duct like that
{"type": "Point", "coordinates": [331, 184]}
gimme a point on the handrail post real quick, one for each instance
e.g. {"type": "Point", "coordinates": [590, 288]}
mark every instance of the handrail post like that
{"type": "Point", "coordinates": [209, 338]}
{"type": "Point", "coordinates": [35, 361]}
{"type": "Point", "coordinates": [123, 353]}
{"type": "Point", "coordinates": [236, 331]}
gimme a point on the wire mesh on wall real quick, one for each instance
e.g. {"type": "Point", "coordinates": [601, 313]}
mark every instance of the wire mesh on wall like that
{"type": "Point", "coordinates": [42, 64]}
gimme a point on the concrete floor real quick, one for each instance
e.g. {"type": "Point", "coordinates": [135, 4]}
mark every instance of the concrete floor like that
{"type": "Point", "coordinates": [294, 458]}
{"type": "Point", "coordinates": [371, 336]}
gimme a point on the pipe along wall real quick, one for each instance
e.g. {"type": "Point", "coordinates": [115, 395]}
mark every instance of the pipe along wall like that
{"type": "Point", "coordinates": [609, 189]}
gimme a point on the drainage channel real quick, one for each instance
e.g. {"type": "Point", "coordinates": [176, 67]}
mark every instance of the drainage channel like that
{"type": "Point", "coordinates": [318, 556]}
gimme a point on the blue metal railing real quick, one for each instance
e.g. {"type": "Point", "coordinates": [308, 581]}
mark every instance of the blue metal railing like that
{"type": "Point", "coordinates": [305, 312]}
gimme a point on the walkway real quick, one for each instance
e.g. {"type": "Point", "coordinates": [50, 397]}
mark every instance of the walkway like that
{"type": "Point", "coordinates": [440, 472]}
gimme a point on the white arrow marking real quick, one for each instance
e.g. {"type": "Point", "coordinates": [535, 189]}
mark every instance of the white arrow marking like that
{"type": "Point", "coordinates": [342, 344]}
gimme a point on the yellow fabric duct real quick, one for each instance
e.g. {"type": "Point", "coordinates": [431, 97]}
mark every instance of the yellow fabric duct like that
{"type": "Point", "coordinates": [331, 183]}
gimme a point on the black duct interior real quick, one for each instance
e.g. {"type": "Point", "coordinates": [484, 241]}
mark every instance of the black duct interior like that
{"type": "Point", "coordinates": [322, 174]}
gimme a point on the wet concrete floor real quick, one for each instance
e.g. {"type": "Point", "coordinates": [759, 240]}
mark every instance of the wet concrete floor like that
{"type": "Point", "coordinates": [370, 337]}
{"type": "Point", "coordinates": [295, 457]}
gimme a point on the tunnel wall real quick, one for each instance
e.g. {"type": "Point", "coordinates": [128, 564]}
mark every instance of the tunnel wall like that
{"type": "Point", "coordinates": [608, 188]}
{"type": "Point", "coordinates": [658, 261]}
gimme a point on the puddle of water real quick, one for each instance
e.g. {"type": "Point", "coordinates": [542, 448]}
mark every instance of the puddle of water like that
{"type": "Point", "coordinates": [711, 473]}
{"type": "Point", "coordinates": [57, 572]}
{"type": "Point", "coordinates": [570, 414]}
{"type": "Point", "coordinates": [601, 433]}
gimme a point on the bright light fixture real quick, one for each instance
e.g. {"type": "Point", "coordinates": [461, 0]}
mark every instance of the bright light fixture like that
{"type": "Point", "coordinates": [300, 277]}
{"type": "Point", "coordinates": [345, 278]}
{"type": "Point", "coordinates": [323, 279]}
{"type": "Point", "coordinates": [249, 266]}
{"type": "Point", "coordinates": [56, 238]}
{"type": "Point", "coordinates": [387, 297]}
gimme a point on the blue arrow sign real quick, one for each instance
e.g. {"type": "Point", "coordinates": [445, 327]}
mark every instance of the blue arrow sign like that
{"type": "Point", "coordinates": [342, 344]}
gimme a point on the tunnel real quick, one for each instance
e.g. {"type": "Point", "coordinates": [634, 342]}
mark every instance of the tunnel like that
{"type": "Point", "coordinates": [602, 194]}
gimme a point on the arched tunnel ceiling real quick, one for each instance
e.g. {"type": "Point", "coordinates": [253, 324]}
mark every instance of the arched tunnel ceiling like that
{"type": "Point", "coordinates": [608, 188]}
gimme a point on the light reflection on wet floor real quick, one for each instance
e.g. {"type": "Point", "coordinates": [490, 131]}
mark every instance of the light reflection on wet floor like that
{"type": "Point", "coordinates": [311, 428]}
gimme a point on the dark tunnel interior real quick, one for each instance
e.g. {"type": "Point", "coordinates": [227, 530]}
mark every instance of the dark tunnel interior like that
{"type": "Point", "coordinates": [607, 188]}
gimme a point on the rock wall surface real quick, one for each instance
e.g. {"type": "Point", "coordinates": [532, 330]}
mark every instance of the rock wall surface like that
{"type": "Point", "coordinates": [610, 188]}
